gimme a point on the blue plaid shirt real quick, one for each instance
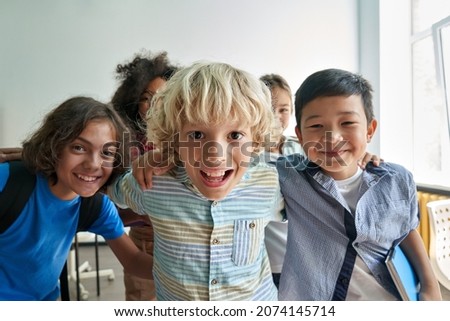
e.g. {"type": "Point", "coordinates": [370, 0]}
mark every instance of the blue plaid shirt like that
{"type": "Point", "coordinates": [324, 237]}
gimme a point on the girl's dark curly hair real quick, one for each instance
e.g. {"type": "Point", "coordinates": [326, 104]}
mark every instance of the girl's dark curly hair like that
{"type": "Point", "coordinates": [134, 77]}
{"type": "Point", "coordinates": [61, 126]}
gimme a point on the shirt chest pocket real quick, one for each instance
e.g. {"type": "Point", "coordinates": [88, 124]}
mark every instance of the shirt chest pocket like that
{"type": "Point", "coordinates": [247, 241]}
{"type": "Point", "coordinates": [391, 220]}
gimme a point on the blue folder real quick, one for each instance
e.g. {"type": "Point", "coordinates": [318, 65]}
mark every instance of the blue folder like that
{"type": "Point", "coordinates": [403, 274]}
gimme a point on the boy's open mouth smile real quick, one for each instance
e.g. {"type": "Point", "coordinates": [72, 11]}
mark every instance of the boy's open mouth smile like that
{"type": "Point", "coordinates": [88, 179]}
{"type": "Point", "coordinates": [216, 178]}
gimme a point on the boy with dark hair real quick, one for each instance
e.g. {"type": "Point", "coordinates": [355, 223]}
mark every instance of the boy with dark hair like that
{"type": "Point", "coordinates": [342, 220]}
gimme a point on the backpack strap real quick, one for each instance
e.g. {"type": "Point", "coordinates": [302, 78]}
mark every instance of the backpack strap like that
{"type": "Point", "coordinates": [90, 209]}
{"type": "Point", "coordinates": [64, 284]}
{"type": "Point", "coordinates": [17, 191]}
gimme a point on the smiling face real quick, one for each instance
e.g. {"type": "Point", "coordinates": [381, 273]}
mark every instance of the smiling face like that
{"type": "Point", "coordinates": [215, 156]}
{"type": "Point", "coordinates": [334, 133]}
{"type": "Point", "coordinates": [85, 164]}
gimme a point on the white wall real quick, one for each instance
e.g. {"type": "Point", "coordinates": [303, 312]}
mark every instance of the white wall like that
{"type": "Point", "coordinates": [53, 49]}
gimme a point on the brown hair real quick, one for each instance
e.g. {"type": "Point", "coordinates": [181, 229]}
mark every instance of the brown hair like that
{"type": "Point", "coordinates": [63, 125]}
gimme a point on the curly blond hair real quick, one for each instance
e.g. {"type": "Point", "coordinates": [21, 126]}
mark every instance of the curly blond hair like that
{"type": "Point", "coordinates": [210, 93]}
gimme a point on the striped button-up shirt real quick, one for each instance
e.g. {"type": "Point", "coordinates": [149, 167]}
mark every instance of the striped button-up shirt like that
{"type": "Point", "coordinates": [207, 250]}
{"type": "Point", "coordinates": [324, 235]}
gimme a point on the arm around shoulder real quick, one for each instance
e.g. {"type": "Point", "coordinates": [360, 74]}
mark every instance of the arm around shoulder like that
{"type": "Point", "coordinates": [115, 190]}
{"type": "Point", "coordinates": [10, 154]}
{"type": "Point", "coordinates": [125, 192]}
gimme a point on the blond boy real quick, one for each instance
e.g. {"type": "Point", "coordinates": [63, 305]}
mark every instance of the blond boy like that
{"type": "Point", "coordinates": [210, 211]}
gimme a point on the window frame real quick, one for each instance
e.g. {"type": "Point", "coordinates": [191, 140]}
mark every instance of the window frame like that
{"type": "Point", "coordinates": [443, 81]}
{"type": "Point", "coordinates": [434, 32]}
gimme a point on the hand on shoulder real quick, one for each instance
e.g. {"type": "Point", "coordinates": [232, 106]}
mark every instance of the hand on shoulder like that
{"type": "Point", "coordinates": [10, 154]}
{"type": "Point", "coordinates": [368, 157]}
{"type": "Point", "coordinates": [147, 165]}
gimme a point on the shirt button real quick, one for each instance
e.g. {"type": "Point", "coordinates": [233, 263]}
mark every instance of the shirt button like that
{"type": "Point", "coordinates": [252, 225]}
{"type": "Point", "coordinates": [214, 281]}
{"type": "Point", "coordinates": [215, 203]}
{"type": "Point", "coordinates": [344, 281]}
{"type": "Point", "coordinates": [215, 241]}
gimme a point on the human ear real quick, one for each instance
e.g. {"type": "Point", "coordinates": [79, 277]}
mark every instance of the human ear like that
{"type": "Point", "coordinates": [299, 135]}
{"type": "Point", "coordinates": [371, 128]}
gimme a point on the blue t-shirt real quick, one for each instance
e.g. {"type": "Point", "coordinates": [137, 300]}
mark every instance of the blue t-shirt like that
{"type": "Point", "coordinates": [34, 248]}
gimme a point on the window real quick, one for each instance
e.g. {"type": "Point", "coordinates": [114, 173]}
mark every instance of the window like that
{"type": "Point", "coordinates": [430, 48]}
